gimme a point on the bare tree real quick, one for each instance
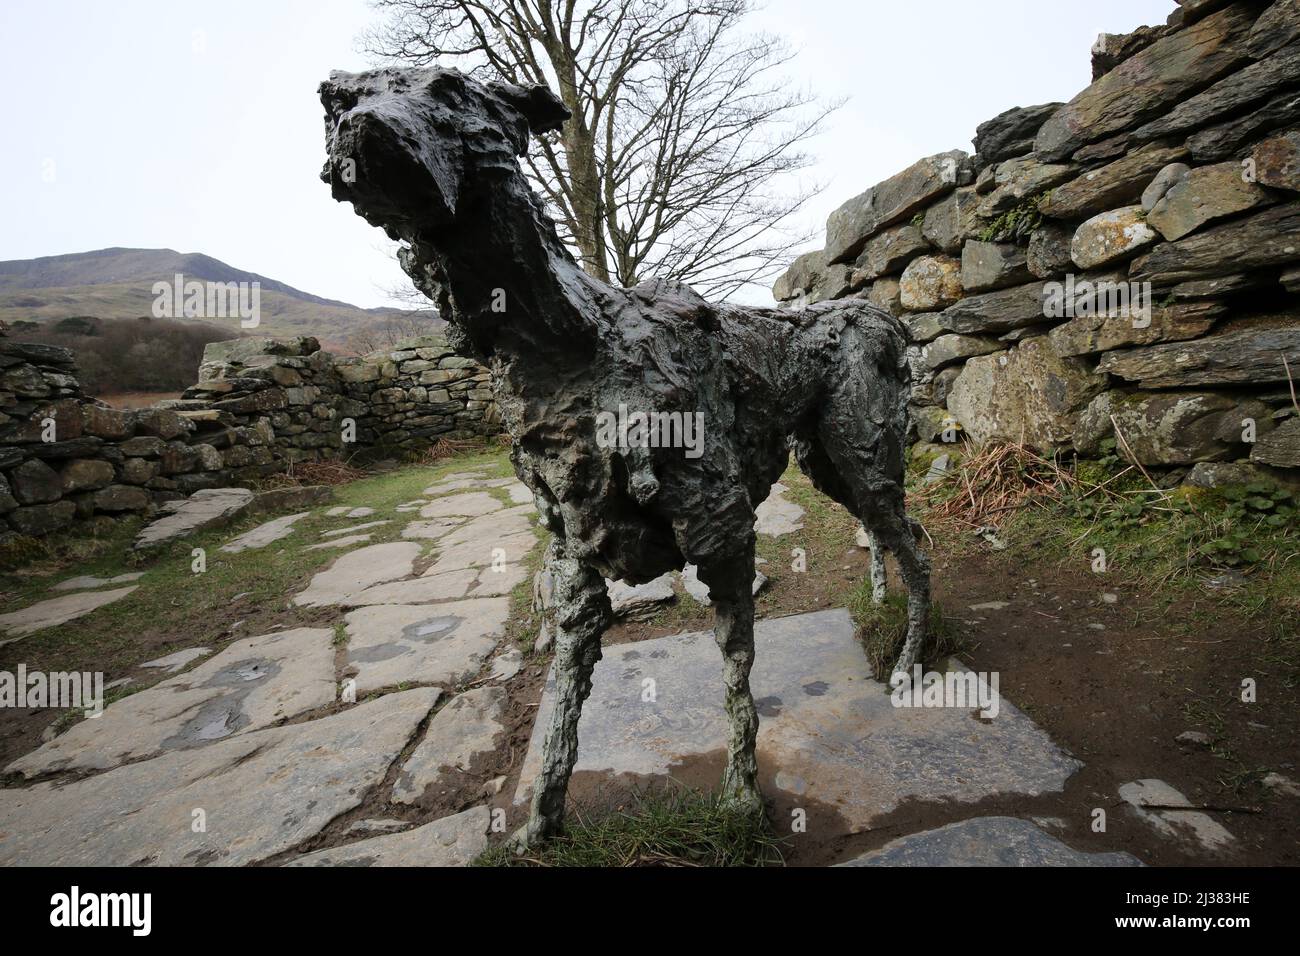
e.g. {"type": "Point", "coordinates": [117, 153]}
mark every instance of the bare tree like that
{"type": "Point", "coordinates": [679, 160]}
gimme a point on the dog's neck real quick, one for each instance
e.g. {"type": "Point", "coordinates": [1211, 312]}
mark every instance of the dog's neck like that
{"type": "Point", "coordinates": [505, 282]}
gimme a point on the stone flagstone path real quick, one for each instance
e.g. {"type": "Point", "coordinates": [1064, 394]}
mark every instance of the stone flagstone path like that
{"type": "Point", "coordinates": [251, 741]}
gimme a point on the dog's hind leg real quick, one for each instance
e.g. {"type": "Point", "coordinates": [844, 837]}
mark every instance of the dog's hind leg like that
{"type": "Point", "coordinates": [581, 614]}
{"type": "Point", "coordinates": [731, 591]}
{"type": "Point", "coordinates": [879, 576]}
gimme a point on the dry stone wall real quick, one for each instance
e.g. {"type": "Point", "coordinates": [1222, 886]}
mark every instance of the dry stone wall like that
{"type": "Point", "coordinates": [260, 406]}
{"type": "Point", "coordinates": [1130, 257]}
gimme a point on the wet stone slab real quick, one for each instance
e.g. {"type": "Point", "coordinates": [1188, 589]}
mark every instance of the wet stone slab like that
{"type": "Point", "coordinates": [390, 644]}
{"type": "Point", "coordinates": [252, 684]}
{"type": "Point", "coordinates": [828, 731]}
{"type": "Point", "coordinates": [260, 793]}
{"type": "Point", "coordinates": [986, 841]}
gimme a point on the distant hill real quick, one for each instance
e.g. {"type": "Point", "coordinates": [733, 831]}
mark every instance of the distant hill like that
{"type": "Point", "coordinates": [117, 284]}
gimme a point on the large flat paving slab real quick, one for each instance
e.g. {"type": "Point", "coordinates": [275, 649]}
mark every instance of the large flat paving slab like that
{"type": "Point", "coordinates": [391, 644]}
{"type": "Point", "coordinates": [986, 841]}
{"type": "Point", "coordinates": [828, 731]}
{"type": "Point", "coordinates": [253, 683]}
{"type": "Point", "coordinates": [255, 795]}
{"type": "Point", "coordinates": [56, 611]}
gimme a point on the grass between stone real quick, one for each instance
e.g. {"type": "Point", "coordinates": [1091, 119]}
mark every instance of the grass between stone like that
{"type": "Point", "coordinates": [670, 827]}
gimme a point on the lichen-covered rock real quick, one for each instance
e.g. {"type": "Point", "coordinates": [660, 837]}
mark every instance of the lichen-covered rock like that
{"type": "Point", "coordinates": [37, 520]}
{"type": "Point", "coordinates": [800, 277]}
{"type": "Point", "coordinates": [1048, 253]}
{"type": "Point", "coordinates": [1276, 27]}
{"type": "Point", "coordinates": [85, 474]}
{"type": "Point", "coordinates": [1280, 447]}
{"type": "Point", "coordinates": [930, 283]}
{"type": "Point", "coordinates": [986, 266]}
{"type": "Point", "coordinates": [1019, 179]}
{"type": "Point", "coordinates": [890, 252]}
{"type": "Point", "coordinates": [890, 202]}
{"type": "Point", "coordinates": [953, 219]}
{"type": "Point", "coordinates": [1277, 162]}
{"type": "Point", "coordinates": [1110, 237]}
{"type": "Point", "coordinates": [34, 482]}
{"type": "Point", "coordinates": [1165, 180]}
{"type": "Point", "coordinates": [1203, 195]}
{"type": "Point", "coordinates": [1026, 393]}
{"type": "Point", "coordinates": [1172, 428]}
{"type": "Point", "coordinates": [887, 294]}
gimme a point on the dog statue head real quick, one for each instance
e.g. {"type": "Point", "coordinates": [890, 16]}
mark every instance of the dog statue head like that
{"type": "Point", "coordinates": [407, 146]}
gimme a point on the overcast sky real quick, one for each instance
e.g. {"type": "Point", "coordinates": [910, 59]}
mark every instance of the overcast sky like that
{"type": "Point", "coordinates": [195, 125]}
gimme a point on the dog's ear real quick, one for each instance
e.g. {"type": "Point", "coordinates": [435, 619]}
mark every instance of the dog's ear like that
{"type": "Point", "coordinates": [539, 106]}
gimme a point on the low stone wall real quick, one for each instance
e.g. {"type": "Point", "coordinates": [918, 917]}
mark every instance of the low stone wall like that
{"type": "Point", "coordinates": [1130, 257]}
{"type": "Point", "coordinates": [260, 406]}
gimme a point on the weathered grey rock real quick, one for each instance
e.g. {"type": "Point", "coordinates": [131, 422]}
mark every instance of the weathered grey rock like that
{"type": "Point", "coordinates": [1165, 180]}
{"type": "Point", "coordinates": [36, 520]}
{"type": "Point", "coordinates": [1280, 447]}
{"type": "Point", "coordinates": [460, 733]}
{"type": "Point", "coordinates": [890, 252]}
{"type": "Point", "coordinates": [777, 516]}
{"type": "Point", "coordinates": [829, 730]}
{"type": "Point", "coordinates": [640, 601]}
{"type": "Point", "coordinates": [86, 582]}
{"type": "Point", "coordinates": [252, 684]}
{"type": "Point", "coordinates": [1010, 133]}
{"type": "Point", "coordinates": [116, 498]}
{"type": "Point", "coordinates": [800, 277]}
{"type": "Point", "coordinates": [144, 813]}
{"type": "Point", "coordinates": [443, 644]}
{"type": "Point", "coordinates": [56, 611]}
{"type": "Point", "coordinates": [932, 422]}
{"type": "Point", "coordinates": [835, 282]}
{"type": "Point", "coordinates": [178, 661]}
{"type": "Point", "coordinates": [1112, 186]}
{"type": "Point", "coordinates": [1048, 253]}
{"type": "Point", "coordinates": [1203, 195]}
{"type": "Point", "coordinates": [1171, 428]}
{"type": "Point", "coordinates": [1277, 162]}
{"type": "Point", "coordinates": [887, 294]}
{"type": "Point", "coordinates": [264, 534]}
{"type": "Point", "coordinates": [1189, 825]}
{"type": "Point", "coordinates": [1228, 97]}
{"type": "Point", "coordinates": [1113, 49]}
{"type": "Point", "coordinates": [1220, 287]}
{"type": "Point", "coordinates": [1100, 333]}
{"type": "Point", "coordinates": [948, 349]}
{"type": "Point", "coordinates": [1238, 356]}
{"type": "Point", "coordinates": [986, 266]}
{"type": "Point", "coordinates": [1028, 393]}
{"type": "Point", "coordinates": [1149, 82]}
{"type": "Point", "coordinates": [892, 201]}
{"type": "Point", "coordinates": [930, 283]}
{"type": "Point", "coordinates": [923, 326]}
{"type": "Point", "coordinates": [1276, 27]}
{"type": "Point", "coordinates": [1231, 138]}
{"type": "Point", "coordinates": [997, 311]}
{"type": "Point", "coordinates": [1221, 474]}
{"type": "Point", "coordinates": [952, 220]}
{"type": "Point", "coordinates": [34, 483]}
{"type": "Point", "coordinates": [986, 841]}
{"type": "Point", "coordinates": [354, 572]}
{"type": "Point", "coordinates": [1019, 179]}
{"type": "Point", "coordinates": [1110, 237]}
{"type": "Point", "coordinates": [1258, 241]}
{"type": "Point", "coordinates": [204, 509]}
{"type": "Point", "coordinates": [471, 504]}
{"type": "Point", "coordinates": [85, 474]}
{"type": "Point", "coordinates": [452, 841]}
